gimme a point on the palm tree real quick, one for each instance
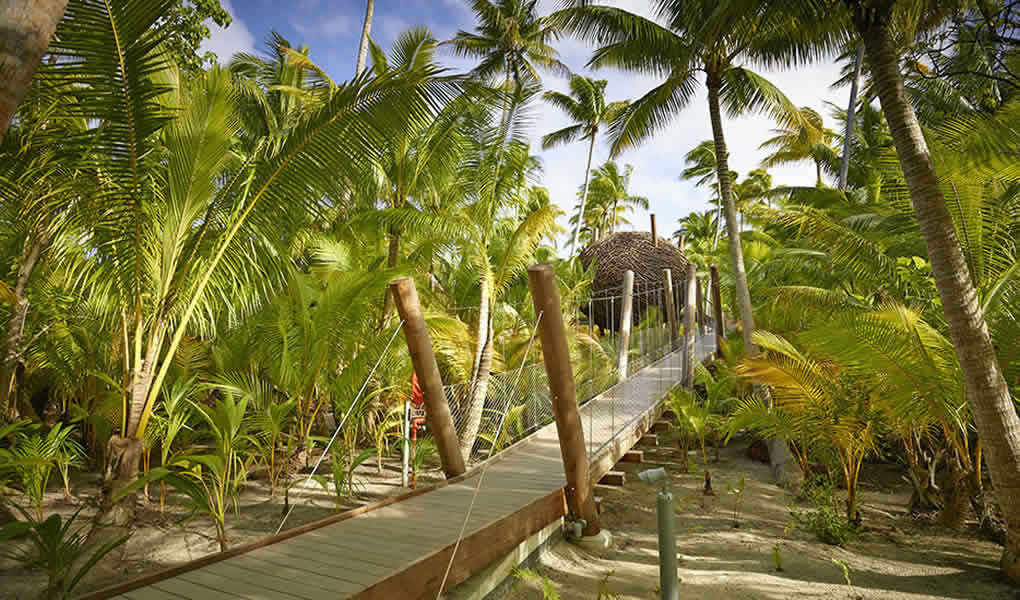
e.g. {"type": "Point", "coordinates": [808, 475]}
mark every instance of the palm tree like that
{"type": "Point", "coordinates": [511, 42]}
{"type": "Point", "coordinates": [701, 167]}
{"type": "Point", "coordinates": [28, 26]}
{"type": "Point", "coordinates": [366, 30]}
{"type": "Point", "coordinates": [697, 37]}
{"type": "Point", "coordinates": [609, 189]}
{"type": "Point", "coordinates": [586, 106]}
{"type": "Point", "coordinates": [851, 110]}
{"type": "Point", "coordinates": [994, 412]}
{"type": "Point", "coordinates": [807, 139]}
{"type": "Point", "coordinates": [751, 191]}
{"type": "Point", "coordinates": [419, 163]}
{"type": "Point", "coordinates": [164, 240]}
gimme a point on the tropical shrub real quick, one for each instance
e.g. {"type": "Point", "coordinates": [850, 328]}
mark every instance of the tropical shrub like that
{"type": "Point", "coordinates": [58, 547]}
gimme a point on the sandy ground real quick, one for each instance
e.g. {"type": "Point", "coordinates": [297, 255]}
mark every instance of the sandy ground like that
{"type": "Point", "coordinates": [894, 557]}
{"type": "Point", "coordinates": [160, 541]}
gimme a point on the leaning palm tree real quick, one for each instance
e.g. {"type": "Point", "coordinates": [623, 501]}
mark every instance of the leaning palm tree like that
{"type": "Point", "coordinates": [994, 413]}
{"type": "Point", "coordinates": [586, 106]}
{"type": "Point", "coordinates": [31, 23]}
{"type": "Point", "coordinates": [678, 49]}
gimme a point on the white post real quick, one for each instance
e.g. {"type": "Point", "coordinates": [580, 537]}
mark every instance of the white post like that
{"type": "Point", "coordinates": [689, 327]}
{"type": "Point", "coordinates": [406, 450]}
{"type": "Point", "coordinates": [626, 315]}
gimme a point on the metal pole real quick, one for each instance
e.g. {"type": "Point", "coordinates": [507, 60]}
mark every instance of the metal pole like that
{"type": "Point", "coordinates": [406, 450]}
{"type": "Point", "coordinates": [626, 310]}
{"type": "Point", "coordinates": [556, 354]}
{"type": "Point", "coordinates": [437, 411]}
{"type": "Point", "coordinates": [667, 545]}
{"type": "Point", "coordinates": [674, 329]}
{"type": "Point", "coordinates": [720, 326]}
{"type": "Point", "coordinates": [689, 357]}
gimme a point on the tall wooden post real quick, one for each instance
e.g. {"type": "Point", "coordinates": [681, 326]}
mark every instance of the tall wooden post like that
{"type": "Point", "coordinates": [689, 309]}
{"type": "Point", "coordinates": [437, 411]}
{"type": "Point", "coordinates": [655, 232]}
{"type": "Point", "coordinates": [700, 299]}
{"type": "Point", "coordinates": [720, 325]}
{"type": "Point", "coordinates": [681, 242]}
{"type": "Point", "coordinates": [626, 316]}
{"type": "Point", "coordinates": [553, 335]}
{"type": "Point", "coordinates": [674, 327]}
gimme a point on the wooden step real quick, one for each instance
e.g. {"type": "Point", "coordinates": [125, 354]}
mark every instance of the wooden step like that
{"type": "Point", "coordinates": [661, 426]}
{"type": "Point", "coordinates": [649, 439]}
{"type": "Point", "coordinates": [616, 478]}
{"type": "Point", "coordinates": [633, 456]}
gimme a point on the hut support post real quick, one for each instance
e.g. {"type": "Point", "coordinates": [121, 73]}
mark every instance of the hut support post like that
{"type": "Point", "coordinates": [655, 232]}
{"type": "Point", "coordinates": [689, 327]}
{"type": "Point", "coordinates": [674, 330]}
{"type": "Point", "coordinates": [419, 345]}
{"type": "Point", "coordinates": [720, 325]}
{"type": "Point", "coordinates": [553, 336]}
{"type": "Point", "coordinates": [626, 316]}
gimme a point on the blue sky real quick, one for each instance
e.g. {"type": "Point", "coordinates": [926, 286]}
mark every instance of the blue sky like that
{"type": "Point", "coordinates": [332, 28]}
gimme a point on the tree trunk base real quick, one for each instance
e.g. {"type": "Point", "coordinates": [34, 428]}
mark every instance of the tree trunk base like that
{"type": "Point", "coordinates": [123, 457]}
{"type": "Point", "coordinates": [1010, 563]}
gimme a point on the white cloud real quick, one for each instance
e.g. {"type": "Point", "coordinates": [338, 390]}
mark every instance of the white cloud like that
{"type": "Point", "coordinates": [225, 42]}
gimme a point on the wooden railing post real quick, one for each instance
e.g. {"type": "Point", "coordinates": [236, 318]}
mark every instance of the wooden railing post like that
{"type": "Point", "coordinates": [689, 327]}
{"type": "Point", "coordinates": [553, 335]}
{"type": "Point", "coordinates": [437, 411]}
{"type": "Point", "coordinates": [674, 327]}
{"type": "Point", "coordinates": [626, 316]}
{"type": "Point", "coordinates": [720, 325]}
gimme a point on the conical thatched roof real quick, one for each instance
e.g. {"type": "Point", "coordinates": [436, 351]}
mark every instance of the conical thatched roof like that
{"type": "Point", "coordinates": [632, 250]}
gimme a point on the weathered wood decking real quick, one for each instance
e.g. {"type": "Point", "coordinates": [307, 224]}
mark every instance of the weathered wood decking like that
{"type": "Point", "coordinates": [400, 548]}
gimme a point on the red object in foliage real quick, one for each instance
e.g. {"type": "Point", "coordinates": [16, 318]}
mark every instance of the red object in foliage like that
{"type": "Point", "coordinates": [417, 399]}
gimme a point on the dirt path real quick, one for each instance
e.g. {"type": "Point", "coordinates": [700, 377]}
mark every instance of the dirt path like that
{"type": "Point", "coordinates": [894, 557]}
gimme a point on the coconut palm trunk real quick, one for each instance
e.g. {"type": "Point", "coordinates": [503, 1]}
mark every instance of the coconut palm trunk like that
{"type": "Point", "coordinates": [584, 193]}
{"type": "Point", "coordinates": [851, 115]}
{"type": "Point", "coordinates": [366, 30]}
{"type": "Point", "coordinates": [994, 413]}
{"type": "Point", "coordinates": [476, 408]}
{"type": "Point", "coordinates": [27, 27]}
{"type": "Point", "coordinates": [479, 373]}
{"type": "Point", "coordinates": [732, 226]}
{"type": "Point", "coordinates": [16, 328]}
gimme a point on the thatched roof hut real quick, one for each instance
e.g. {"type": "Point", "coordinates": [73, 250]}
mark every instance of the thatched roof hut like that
{"type": "Point", "coordinates": [632, 250]}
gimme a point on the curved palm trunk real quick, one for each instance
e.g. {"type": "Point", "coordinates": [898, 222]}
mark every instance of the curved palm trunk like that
{"type": "Point", "coordinates": [851, 115]}
{"type": "Point", "coordinates": [584, 194]}
{"type": "Point", "coordinates": [16, 329]}
{"type": "Point", "coordinates": [732, 228]}
{"type": "Point", "coordinates": [473, 418]}
{"type": "Point", "coordinates": [365, 32]}
{"type": "Point", "coordinates": [994, 414]}
{"type": "Point", "coordinates": [28, 26]}
{"type": "Point", "coordinates": [479, 375]}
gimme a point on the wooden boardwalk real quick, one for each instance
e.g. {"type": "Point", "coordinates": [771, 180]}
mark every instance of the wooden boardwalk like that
{"type": "Point", "coordinates": [400, 548]}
